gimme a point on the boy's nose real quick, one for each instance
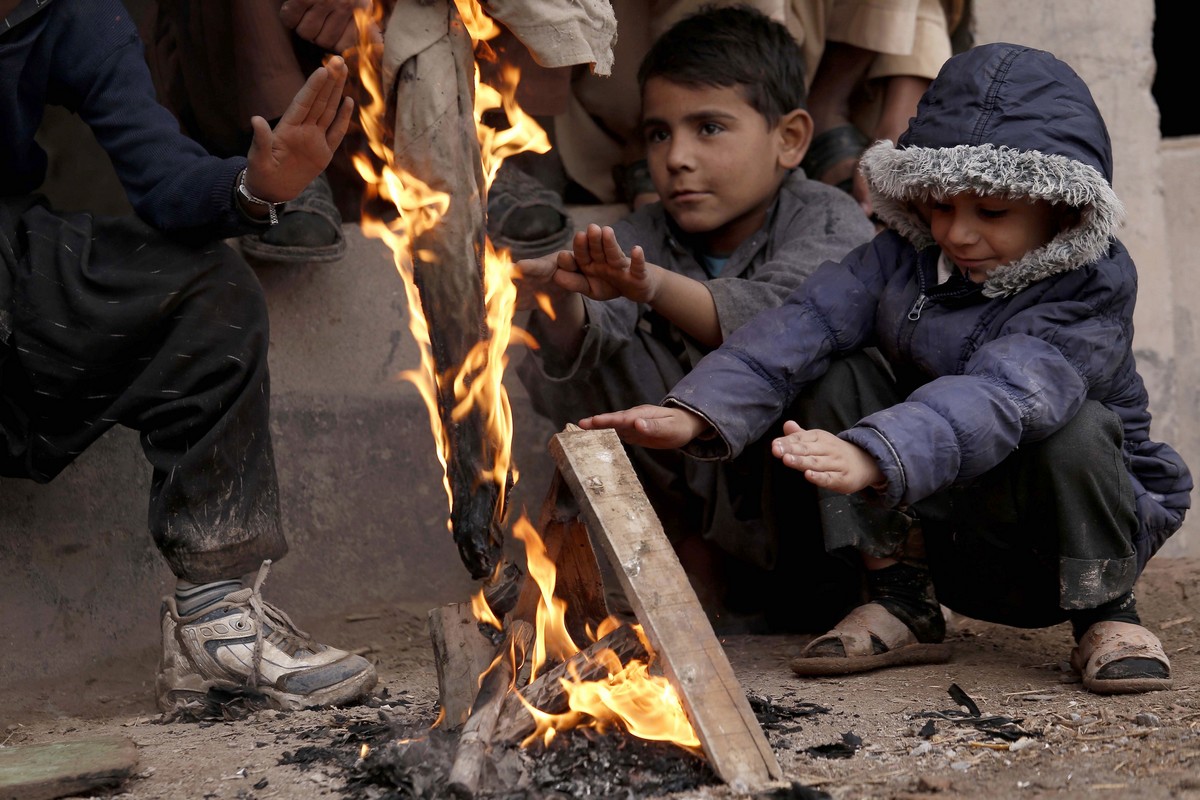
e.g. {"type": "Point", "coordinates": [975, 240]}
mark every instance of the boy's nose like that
{"type": "Point", "coordinates": [961, 230]}
{"type": "Point", "coordinates": [679, 155]}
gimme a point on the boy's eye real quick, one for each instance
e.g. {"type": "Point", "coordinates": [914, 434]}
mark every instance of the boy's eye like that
{"type": "Point", "coordinates": [992, 213]}
{"type": "Point", "coordinates": [655, 135]}
{"type": "Point", "coordinates": [709, 128]}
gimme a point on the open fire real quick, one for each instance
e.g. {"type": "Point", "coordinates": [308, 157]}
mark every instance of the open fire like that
{"type": "Point", "coordinates": [462, 390]}
{"type": "Point", "coordinates": [644, 704]}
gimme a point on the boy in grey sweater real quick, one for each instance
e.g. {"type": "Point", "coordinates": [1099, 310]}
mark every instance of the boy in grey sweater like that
{"type": "Point", "coordinates": [739, 227]}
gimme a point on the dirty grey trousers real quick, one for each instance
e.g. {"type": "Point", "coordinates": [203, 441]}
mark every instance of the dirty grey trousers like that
{"type": "Point", "coordinates": [1047, 531]}
{"type": "Point", "coordinates": [103, 322]}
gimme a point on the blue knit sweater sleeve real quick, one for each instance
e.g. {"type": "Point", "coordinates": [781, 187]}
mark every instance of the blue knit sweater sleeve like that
{"type": "Point", "coordinates": [98, 70]}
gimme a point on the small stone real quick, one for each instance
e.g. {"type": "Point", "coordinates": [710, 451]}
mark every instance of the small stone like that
{"type": "Point", "coordinates": [1147, 720]}
{"type": "Point", "coordinates": [921, 749]}
{"type": "Point", "coordinates": [933, 783]}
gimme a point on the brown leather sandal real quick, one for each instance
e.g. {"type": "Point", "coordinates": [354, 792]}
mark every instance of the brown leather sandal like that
{"type": "Point", "coordinates": [870, 638]}
{"type": "Point", "coordinates": [1108, 643]}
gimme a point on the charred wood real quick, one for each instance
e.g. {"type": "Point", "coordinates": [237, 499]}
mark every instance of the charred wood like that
{"type": "Point", "coordinates": [494, 686]}
{"type": "Point", "coordinates": [547, 693]}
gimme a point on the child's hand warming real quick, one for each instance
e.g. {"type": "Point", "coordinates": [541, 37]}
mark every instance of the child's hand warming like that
{"type": "Point", "coordinates": [604, 271]}
{"type": "Point", "coordinates": [650, 426]}
{"type": "Point", "coordinates": [826, 460]}
{"type": "Point", "coordinates": [285, 160]}
{"type": "Point", "coordinates": [537, 278]}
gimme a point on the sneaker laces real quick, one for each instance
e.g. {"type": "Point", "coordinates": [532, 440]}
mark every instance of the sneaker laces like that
{"type": "Point", "coordinates": [261, 612]}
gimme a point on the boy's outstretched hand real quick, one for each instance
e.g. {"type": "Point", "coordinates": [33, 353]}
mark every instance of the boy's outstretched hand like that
{"type": "Point", "coordinates": [603, 271]}
{"type": "Point", "coordinates": [650, 426]}
{"type": "Point", "coordinates": [285, 160]}
{"type": "Point", "coordinates": [826, 460]}
{"type": "Point", "coordinates": [538, 279]}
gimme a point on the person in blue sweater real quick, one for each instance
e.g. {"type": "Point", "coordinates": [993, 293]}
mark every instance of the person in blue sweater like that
{"type": "Point", "coordinates": [151, 322]}
{"type": "Point", "coordinates": [1002, 463]}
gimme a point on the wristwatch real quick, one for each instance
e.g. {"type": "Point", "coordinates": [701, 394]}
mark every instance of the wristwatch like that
{"type": "Point", "coordinates": [273, 209]}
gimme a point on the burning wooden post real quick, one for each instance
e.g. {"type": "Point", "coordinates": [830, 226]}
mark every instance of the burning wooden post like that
{"type": "Point", "coordinates": [432, 161]}
{"type": "Point", "coordinates": [435, 141]}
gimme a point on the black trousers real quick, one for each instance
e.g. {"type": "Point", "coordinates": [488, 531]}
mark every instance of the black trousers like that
{"type": "Point", "coordinates": [105, 322]}
{"type": "Point", "coordinates": [1048, 530]}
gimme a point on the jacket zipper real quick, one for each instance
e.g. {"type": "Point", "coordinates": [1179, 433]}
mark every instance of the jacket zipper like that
{"type": "Point", "coordinates": [914, 313]}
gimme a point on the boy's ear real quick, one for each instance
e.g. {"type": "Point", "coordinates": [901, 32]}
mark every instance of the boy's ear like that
{"type": "Point", "coordinates": [795, 131]}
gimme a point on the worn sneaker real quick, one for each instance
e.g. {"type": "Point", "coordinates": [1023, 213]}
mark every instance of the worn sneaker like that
{"type": "Point", "coordinates": [244, 645]}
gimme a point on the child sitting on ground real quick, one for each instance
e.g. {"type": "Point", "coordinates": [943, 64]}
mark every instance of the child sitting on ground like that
{"type": "Point", "coordinates": [1007, 451]}
{"type": "Point", "coordinates": [738, 228]}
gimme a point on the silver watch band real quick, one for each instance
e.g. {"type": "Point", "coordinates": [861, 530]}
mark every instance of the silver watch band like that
{"type": "Point", "coordinates": [273, 209]}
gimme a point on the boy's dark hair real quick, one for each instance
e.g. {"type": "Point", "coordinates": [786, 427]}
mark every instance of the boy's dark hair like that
{"type": "Point", "coordinates": [733, 45]}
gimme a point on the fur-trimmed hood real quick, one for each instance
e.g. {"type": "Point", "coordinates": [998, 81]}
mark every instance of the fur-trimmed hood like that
{"type": "Point", "coordinates": [1002, 119]}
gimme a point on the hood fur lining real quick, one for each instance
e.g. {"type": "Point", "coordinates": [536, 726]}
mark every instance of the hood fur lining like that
{"type": "Point", "coordinates": [897, 177]}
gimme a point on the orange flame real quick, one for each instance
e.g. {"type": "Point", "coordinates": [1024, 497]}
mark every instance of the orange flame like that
{"type": "Point", "coordinates": [644, 704]}
{"type": "Point", "coordinates": [478, 382]}
{"type": "Point", "coordinates": [631, 696]}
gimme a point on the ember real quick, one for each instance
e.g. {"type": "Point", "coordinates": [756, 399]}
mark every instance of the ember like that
{"type": "Point", "coordinates": [579, 764]}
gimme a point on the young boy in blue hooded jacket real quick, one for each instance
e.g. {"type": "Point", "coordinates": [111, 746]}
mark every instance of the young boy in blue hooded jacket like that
{"type": "Point", "coordinates": [1003, 465]}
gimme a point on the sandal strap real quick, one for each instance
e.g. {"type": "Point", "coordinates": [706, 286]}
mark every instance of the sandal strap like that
{"type": "Point", "coordinates": [857, 628]}
{"type": "Point", "coordinates": [1109, 641]}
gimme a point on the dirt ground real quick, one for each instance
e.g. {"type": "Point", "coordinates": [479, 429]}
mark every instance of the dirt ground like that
{"type": "Point", "coordinates": [890, 734]}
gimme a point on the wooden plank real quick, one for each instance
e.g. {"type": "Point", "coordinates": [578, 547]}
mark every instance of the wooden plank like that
{"type": "Point", "coordinates": [60, 769]}
{"type": "Point", "coordinates": [624, 526]}
{"type": "Point", "coordinates": [461, 652]}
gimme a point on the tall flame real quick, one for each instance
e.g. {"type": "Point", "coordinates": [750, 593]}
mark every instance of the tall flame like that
{"type": "Point", "coordinates": [477, 382]}
{"type": "Point", "coordinates": [631, 696]}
